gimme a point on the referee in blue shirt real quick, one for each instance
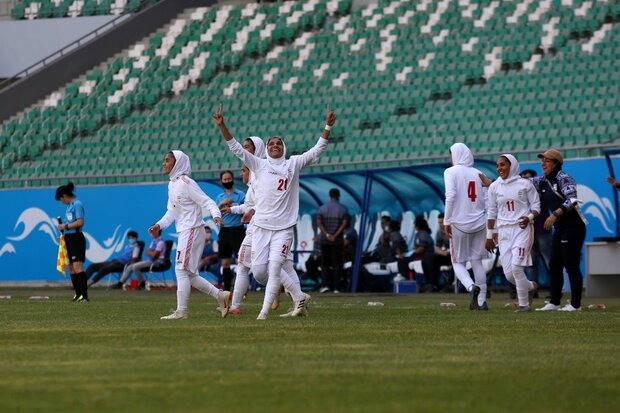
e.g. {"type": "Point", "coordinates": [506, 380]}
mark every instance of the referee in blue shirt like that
{"type": "Point", "coordinates": [233, 232]}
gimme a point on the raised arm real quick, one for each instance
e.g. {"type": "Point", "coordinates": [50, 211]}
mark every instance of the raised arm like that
{"type": "Point", "coordinates": [218, 117]}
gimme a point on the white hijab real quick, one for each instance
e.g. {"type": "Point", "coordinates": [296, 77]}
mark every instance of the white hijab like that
{"type": "Point", "coordinates": [461, 155]}
{"type": "Point", "coordinates": [259, 146]}
{"type": "Point", "coordinates": [278, 165]}
{"type": "Point", "coordinates": [514, 168]}
{"type": "Point", "coordinates": [181, 167]}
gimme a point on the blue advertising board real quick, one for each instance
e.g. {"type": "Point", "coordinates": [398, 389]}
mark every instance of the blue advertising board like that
{"type": "Point", "coordinates": [29, 238]}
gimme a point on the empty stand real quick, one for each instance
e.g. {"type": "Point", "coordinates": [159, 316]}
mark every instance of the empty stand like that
{"type": "Point", "coordinates": [406, 79]}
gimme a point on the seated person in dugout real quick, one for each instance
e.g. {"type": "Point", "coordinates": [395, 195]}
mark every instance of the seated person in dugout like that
{"type": "Point", "coordinates": [130, 255]}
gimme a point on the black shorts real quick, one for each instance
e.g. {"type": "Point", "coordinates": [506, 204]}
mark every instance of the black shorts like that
{"type": "Point", "coordinates": [230, 239]}
{"type": "Point", "coordinates": [76, 247]}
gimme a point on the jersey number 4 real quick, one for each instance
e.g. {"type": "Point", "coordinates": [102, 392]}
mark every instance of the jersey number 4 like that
{"type": "Point", "coordinates": [471, 191]}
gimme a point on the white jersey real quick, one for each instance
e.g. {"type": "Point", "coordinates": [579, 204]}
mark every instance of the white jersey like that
{"type": "Point", "coordinates": [512, 198]}
{"type": "Point", "coordinates": [465, 196]}
{"type": "Point", "coordinates": [186, 199]}
{"type": "Point", "coordinates": [277, 191]}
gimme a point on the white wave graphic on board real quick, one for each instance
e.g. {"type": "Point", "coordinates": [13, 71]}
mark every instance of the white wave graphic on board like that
{"type": "Point", "coordinates": [33, 219]}
{"type": "Point", "coordinates": [596, 207]}
{"type": "Point", "coordinates": [7, 248]}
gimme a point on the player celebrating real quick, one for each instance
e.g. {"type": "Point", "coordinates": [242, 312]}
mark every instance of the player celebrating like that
{"type": "Point", "coordinates": [465, 222]}
{"type": "Point", "coordinates": [277, 207]}
{"type": "Point", "coordinates": [185, 203]}
{"type": "Point", "coordinates": [513, 203]}
{"type": "Point", "coordinates": [255, 146]}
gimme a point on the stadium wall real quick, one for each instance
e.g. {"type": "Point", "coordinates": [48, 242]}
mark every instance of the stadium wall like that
{"type": "Point", "coordinates": [28, 234]}
{"type": "Point", "coordinates": [26, 92]}
{"type": "Point", "coordinates": [25, 42]}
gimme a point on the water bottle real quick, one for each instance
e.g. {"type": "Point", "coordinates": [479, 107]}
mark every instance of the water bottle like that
{"type": "Point", "coordinates": [447, 305]}
{"type": "Point", "coordinates": [5, 297]}
{"type": "Point", "coordinates": [39, 297]}
{"type": "Point", "coordinates": [375, 304]}
{"type": "Point", "coordinates": [597, 307]}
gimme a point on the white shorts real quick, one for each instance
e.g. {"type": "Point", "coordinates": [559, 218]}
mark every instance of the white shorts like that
{"type": "Point", "coordinates": [245, 251]}
{"type": "Point", "coordinates": [466, 246]}
{"type": "Point", "coordinates": [190, 244]}
{"type": "Point", "coordinates": [269, 245]}
{"type": "Point", "coordinates": [515, 246]}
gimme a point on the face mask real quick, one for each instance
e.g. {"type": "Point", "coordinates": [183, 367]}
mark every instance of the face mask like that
{"type": "Point", "coordinates": [228, 185]}
{"type": "Point", "coordinates": [132, 241]}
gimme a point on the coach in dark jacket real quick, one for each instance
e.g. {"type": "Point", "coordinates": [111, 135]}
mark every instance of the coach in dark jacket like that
{"type": "Point", "coordinates": [558, 193]}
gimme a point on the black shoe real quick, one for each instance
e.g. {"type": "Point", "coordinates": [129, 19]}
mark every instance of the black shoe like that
{"type": "Point", "coordinates": [473, 298]}
{"type": "Point", "coordinates": [117, 286]}
{"type": "Point", "coordinates": [142, 286]}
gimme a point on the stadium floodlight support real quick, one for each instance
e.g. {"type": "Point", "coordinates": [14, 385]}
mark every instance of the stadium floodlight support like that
{"type": "Point", "coordinates": [609, 153]}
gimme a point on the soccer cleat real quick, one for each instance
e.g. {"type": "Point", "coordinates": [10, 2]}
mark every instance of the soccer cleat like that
{"type": "Point", "coordinates": [300, 309]}
{"type": "Point", "coordinates": [287, 314]}
{"type": "Point", "coordinates": [234, 311]}
{"type": "Point", "coordinates": [523, 309]}
{"type": "Point", "coordinates": [483, 307]}
{"type": "Point", "coordinates": [176, 315]}
{"type": "Point", "coordinates": [82, 299]}
{"type": "Point", "coordinates": [473, 297]}
{"type": "Point", "coordinates": [569, 308]}
{"type": "Point", "coordinates": [261, 316]}
{"type": "Point", "coordinates": [224, 305]}
{"type": "Point", "coordinates": [549, 307]}
{"type": "Point", "coordinates": [75, 297]}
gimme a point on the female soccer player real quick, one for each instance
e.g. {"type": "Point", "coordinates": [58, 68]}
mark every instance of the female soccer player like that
{"type": "Point", "coordinates": [513, 203]}
{"type": "Point", "coordinates": [465, 222]}
{"type": "Point", "coordinates": [76, 243]}
{"type": "Point", "coordinates": [185, 203]}
{"type": "Point", "coordinates": [255, 146]}
{"type": "Point", "coordinates": [277, 207]}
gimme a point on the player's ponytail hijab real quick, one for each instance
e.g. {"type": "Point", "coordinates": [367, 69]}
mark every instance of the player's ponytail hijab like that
{"type": "Point", "coordinates": [182, 165]}
{"type": "Point", "coordinates": [514, 168]}
{"type": "Point", "coordinates": [461, 155]}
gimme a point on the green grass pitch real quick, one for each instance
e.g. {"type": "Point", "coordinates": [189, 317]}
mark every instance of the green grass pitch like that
{"type": "Point", "coordinates": [114, 354]}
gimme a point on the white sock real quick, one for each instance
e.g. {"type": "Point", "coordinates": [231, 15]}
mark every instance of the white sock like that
{"type": "Point", "coordinates": [183, 290]}
{"type": "Point", "coordinates": [522, 283]}
{"type": "Point", "coordinates": [481, 280]}
{"type": "Point", "coordinates": [205, 286]}
{"type": "Point", "coordinates": [273, 286]}
{"type": "Point", "coordinates": [242, 282]}
{"type": "Point", "coordinates": [463, 275]}
{"type": "Point", "coordinates": [291, 282]}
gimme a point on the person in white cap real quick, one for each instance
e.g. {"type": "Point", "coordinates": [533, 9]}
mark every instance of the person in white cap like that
{"type": "Point", "coordinates": [558, 193]}
{"type": "Point", "coordinates": [513, 204]}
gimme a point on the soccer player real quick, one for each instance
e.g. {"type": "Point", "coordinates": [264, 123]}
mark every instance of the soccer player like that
{"type": "Point", "coordinates": [74, 237]}
{"type": "Point", "coordinates": [256, 146]}
{"type": "Point", "coordinates": [185, 203]}
{"type": "Point", "coordinates": [513, 203]}
{"type": "Point", "coordinates": [277, 207]}
{"type": "Point", "coordinates": [465, 222]}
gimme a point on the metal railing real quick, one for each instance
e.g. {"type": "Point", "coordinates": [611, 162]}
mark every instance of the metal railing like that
{"type": "Point", "coordinates": [576, 152]}
{"type": "Point", "coordinates": [64, 51]}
